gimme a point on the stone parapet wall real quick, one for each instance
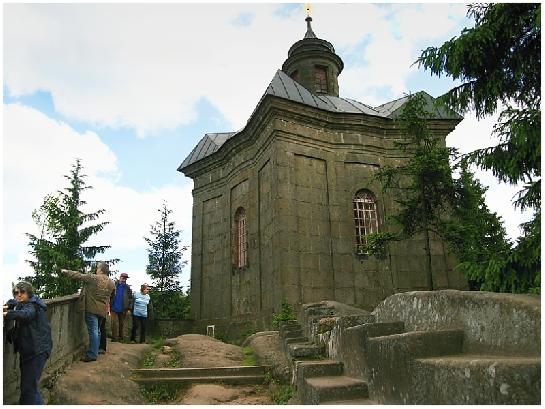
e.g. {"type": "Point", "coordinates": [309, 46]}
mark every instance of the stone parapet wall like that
{"type": "Point", "coordinates": [492, 322]}
{"type": "Point", "coordinates": [70, 338]}
{"type": "Point", "coordinates": [168, 328]}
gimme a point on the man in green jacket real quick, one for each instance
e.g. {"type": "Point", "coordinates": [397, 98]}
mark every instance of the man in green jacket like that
{"type": "Point", "coordinates": [95, 296]}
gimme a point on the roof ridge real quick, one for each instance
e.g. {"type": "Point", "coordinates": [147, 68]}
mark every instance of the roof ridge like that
{"type": "Point", "coordinates": [325, 99]}
{"type": "Point", "coordinates": [297, 86]}
{"type": "Point", "coordinates": [350, 102]}
{"type": "Point", "coordinates": [284, 85]}
{"type": "Point", "coordinates": [359, 102]}
{"type": "Point", "coordinates": [391, 102]}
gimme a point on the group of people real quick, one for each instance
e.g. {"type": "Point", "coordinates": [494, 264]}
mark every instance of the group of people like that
{"type": "Point", "coordinates": [99, 297]}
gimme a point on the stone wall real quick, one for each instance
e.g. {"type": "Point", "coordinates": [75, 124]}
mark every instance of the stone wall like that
{"type": "Point", "coordinates": [492, 322]}
{"type": "Point", "coordinates": [168, 328]}
{"type": "Point", "coordinates": [70, 338]}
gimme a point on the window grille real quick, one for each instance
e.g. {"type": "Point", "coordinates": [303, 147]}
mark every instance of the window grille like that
{"type": "Point", "coordinates": [365, 217]}
{"type": "Point", "coordinates": [320, 80]}
{"type": "Point", "coordinates": [241, 251]}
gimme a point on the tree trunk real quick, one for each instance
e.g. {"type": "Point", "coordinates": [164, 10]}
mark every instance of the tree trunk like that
{"type": "Point", "coordinates": [428, 259]}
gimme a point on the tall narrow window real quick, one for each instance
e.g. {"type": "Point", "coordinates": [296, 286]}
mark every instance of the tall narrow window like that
{"type": "Point", "coordinates": [320, 79]}
{"type": "Point", "coordinates": [295, 75]}
{"type": "Point", "coordinates": [365, 216]}
{"type": "Point", "coordinates": [241, 240]}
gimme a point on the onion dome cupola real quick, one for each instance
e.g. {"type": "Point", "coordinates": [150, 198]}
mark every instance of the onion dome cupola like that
{"type": "Point", "coordinates": [312, 62]}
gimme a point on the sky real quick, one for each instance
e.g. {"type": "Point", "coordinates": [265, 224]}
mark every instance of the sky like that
{"type": "Point", "coordinates": [131, 88]}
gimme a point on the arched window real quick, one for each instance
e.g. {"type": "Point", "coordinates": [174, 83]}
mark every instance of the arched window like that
{"type": "Point", "coordinates": [295, 75]}
{"type": "Point", "coordinates": [241, 239]}
{"type": "Point", "coordinates": [365, 216]}
{"type": "Point", "coordinates": [320, 79]}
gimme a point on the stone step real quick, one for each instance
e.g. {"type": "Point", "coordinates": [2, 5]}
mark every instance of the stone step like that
{"type": "Point", "coordinates": [289, 341]}
{"type": "Point", "coordinates": [287, 326]}
{"type": "Point", "coordinates": [294, 334]}
{"type": "Point", "coordinates": [311, 369]}
{"type": "Point", "coordinates": [420, 344]}
{"type": "Point", "coordinates": [151, 373]}
{"type": "Point", "coordinates": [380, 329]}
{"type": "Point", "coordinates": [333, 388]}
{"type": "Point", "coordinates": [305, 350]}
{"type": "Point", "coordinates": [390, 360]}
{"type": "Point", "coordinates": [478, 380]}
{"type": "Point", "coordinates": [229, 380]}
{"type": "Point", "coordinates": [350, 402]}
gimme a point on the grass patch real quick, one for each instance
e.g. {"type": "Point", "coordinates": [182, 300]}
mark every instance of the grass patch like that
{"type": "Point", "coordinates": [149, 359]}
{"type": "Point", "coordinates": [157, 343]}
{"type": "Point", "coordinates": [160, 393]}
{"type": "Point", "coordinates": [280, 393]}
{"type": "Point", "coordinates": [249, 356]}
{"type": "Point", "coordinates": [176, 358]}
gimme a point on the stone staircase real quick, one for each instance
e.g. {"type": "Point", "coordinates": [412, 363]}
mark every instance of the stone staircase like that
{"type": "Point", "coordinates": [382, 362]}
{"type": "Point", "coordinates": [319, 380]}
{"type": "Point", "coordinates": [234, 375]}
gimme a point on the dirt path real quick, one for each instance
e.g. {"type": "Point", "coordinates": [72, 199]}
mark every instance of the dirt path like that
{"type": "Point", "coordinates": [106, 381]}
{"type": "Point", "coordinates": [200, 351]}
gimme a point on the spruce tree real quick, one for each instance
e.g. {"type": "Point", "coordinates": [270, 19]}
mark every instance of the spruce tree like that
{"type": "Point", "coordinates": [475, 234]}
{"type": "Point", "coordinates": [498, 62]}
{"type": "Point", "coordinates": [422, 184]}
{"type": "Point", "coordinates": [64, 230]}
{"type": "Point", "coordinates": [165, 266]}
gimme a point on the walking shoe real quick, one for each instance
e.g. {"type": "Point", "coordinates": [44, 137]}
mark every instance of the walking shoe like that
{"type": "Point", "coordinates": [87, 359]}
{"type": "Point", "coordinates": [101, 351]}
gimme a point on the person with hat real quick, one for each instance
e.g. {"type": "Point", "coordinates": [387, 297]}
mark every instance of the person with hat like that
{"type": "Point", "coordinates": [93, 298]}
{"type": "Point", "coordinates": [120, 306]}
{"type": "Point", "coordinates": [31, 338]}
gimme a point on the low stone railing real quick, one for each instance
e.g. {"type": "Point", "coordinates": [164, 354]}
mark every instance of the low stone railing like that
{"type": "Point", "coordinates": [69, 340]}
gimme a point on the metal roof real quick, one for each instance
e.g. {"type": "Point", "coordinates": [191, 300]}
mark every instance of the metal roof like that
{"type": "Point", "coordinates": [282, 86]}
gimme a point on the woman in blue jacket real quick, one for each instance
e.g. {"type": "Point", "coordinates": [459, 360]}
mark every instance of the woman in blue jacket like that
{"type": "Point", "coordinates": [140, 313]}
{"type": "Point", "coordinates": [31, 337]}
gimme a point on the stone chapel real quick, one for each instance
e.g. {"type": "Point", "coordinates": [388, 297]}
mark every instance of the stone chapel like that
{"type": "Point", "coordinates": [280, 207]}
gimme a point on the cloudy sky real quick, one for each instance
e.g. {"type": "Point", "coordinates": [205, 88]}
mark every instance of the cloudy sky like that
{"type": "Point", "coordinates": [131, 88]}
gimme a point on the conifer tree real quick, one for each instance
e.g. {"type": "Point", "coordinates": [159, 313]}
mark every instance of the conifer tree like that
{"type": "Point", "coordinates": [498, 62]}
{"type": "Point", "coordinates": [422, 184]}
{"type": "Point", "coordinates": [64, 230]}
{"type": "Point", "coordinates": [475, 234]}
{"type": "Point", "coordinates": [165, 266]}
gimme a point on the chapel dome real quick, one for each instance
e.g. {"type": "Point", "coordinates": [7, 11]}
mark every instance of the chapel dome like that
{"type": "Point", "coordinates": [312, 62]}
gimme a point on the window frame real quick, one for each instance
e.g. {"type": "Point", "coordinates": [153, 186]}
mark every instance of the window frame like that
{"type": "Point", "coordinates": [320, 84]}
{"type": "Point", "coordinates": [365, 216]}
{"type": "Point", "coordinates": [241, 239]}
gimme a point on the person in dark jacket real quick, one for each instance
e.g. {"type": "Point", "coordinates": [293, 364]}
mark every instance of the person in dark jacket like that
{"type": "Point", "coordinates": [31, 337]}
{"type": "Point", "coordinates": [120, 307]}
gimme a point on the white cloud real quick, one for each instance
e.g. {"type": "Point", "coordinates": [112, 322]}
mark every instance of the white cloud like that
{"type": "Point", "coordinates": [37, 152]}
{"type": "Point", "coordinates": [144, 66]}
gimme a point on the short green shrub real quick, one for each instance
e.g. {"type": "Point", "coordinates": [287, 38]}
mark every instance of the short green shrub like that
{"type": "Point", "coordinates": [286, 314]}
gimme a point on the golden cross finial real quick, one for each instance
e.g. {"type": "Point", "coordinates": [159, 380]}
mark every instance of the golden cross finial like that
{"type": "Point", "coordinates": [308, 8]}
